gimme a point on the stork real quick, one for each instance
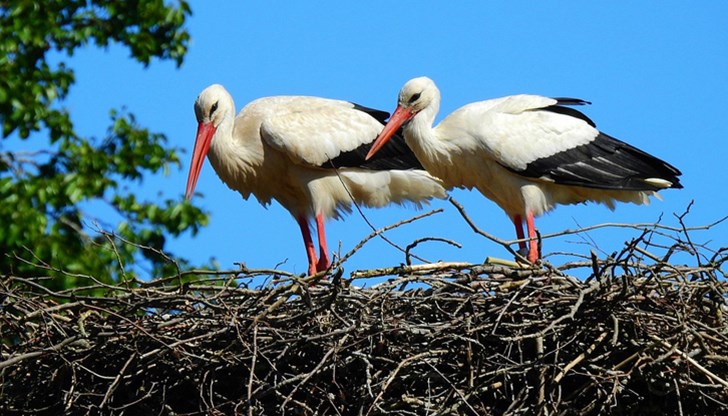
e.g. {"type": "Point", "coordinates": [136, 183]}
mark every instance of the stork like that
{"type": "Point", "coordinates": [306, 153]}
{"type": "Point", "coordinates": [527, 153]}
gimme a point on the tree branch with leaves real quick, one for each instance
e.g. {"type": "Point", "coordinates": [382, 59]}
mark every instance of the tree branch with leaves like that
{"type": "Point", "coordinates": [45, 195]}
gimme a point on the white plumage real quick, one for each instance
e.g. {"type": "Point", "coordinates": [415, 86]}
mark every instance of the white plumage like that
{"type": "Point", "coordinates": [286, 148]}
{"type": "Point", "coordinates": [525, 152]}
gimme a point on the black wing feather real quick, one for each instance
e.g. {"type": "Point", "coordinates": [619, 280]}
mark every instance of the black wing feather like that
{"type": "Point", "coordinates": [604, 163]}
{"type": "Point", "coordinates": [568, 111]}
{"type": "Point", "coordinates": [380, 115]}
{"type": "Point", "coordinates": [395, 155]}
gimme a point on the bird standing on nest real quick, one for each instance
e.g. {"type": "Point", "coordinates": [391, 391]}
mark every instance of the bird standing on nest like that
{"type": "Point", "coordinates": [527, 153]}
{"type": "Point", "coordinates": [307, 153]}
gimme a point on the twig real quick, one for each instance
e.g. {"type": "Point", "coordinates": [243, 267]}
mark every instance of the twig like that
{"type": "Point", "coordinates": [414, 269]}
{"type": "Point", "coordinates": [689, 359]}
{"type": "Point", "coordinates": [491, 237]}
{"type": "Point", "coordinates": [252, 370]}
{"type": "Point", "coordinates": [393, 374]}
{"type": "Point", "coordinates": [414, 244]}
{"type": "Point", "coordinates": [54, 348]}
{"type": "Point", "coordinates": [379, 232]}
{"type": "Point", "coordinates": [375, 232]}
{"type": "Point", "coordinates": [116, 381]}
{"type": "Point", "coordinates": [579, 358]}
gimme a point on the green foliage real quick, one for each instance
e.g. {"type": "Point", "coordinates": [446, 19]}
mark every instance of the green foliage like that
{"type": "Point", "coordinates": [45, 195]}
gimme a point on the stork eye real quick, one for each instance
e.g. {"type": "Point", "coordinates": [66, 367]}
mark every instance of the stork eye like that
{"type": "Point", "coordinates": [213, 108]}
{"type": "Point", "coordinates": [415, 97]}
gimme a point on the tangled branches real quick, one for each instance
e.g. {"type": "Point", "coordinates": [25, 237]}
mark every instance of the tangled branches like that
{"type": "Point", "coordinates": [636, 333]}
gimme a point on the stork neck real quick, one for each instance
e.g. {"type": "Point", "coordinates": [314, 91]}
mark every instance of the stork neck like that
{"type": "Point", "coordinates": [223, 138]}
{"type": "Point", "coordinates": [236, 151]}
{"type": "Point", "coordinates": [419, 133]}
{"type": "Point", "coordinates": [224, 131]}
{"type": "Point", "coordinates": [222, 146]}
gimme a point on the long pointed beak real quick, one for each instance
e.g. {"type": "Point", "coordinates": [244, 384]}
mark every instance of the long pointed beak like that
{"type": "Point", "coordinates": [205, 132]}
{"type": "Point", "coordinates": [401, 115]}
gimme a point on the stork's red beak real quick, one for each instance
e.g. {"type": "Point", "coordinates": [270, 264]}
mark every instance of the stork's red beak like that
{"type": "Point", "coordinates": [202, 145]}
{"type": "Point", "coordinates": [401, 115]}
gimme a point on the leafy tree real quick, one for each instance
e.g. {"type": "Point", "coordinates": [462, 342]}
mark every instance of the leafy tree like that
{"type": "Point", "coordinates": [45, 195]}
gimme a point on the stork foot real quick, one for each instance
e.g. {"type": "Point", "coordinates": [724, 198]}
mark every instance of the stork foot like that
{"type": "Point", "coordinates": [523, 252]}
{"type": "Point", "coordinates": [531, 255]}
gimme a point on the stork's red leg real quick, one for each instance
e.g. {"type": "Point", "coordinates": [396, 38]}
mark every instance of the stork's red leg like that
{"type": "Point", "coordinates": [324, 259]}
{"type": "Point", "coordinates": [518, 222]}
{"type": "Point", "coordinates": [533, 253]}
{"type": "Point", "coordinates": [308, 242]}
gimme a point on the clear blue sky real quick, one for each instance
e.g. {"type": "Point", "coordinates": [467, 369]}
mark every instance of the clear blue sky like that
{"type": "Point", "coordinates": [656, 73]}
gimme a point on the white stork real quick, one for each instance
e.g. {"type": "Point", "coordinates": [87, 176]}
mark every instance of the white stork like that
{"type": "Point", "coordinates": [527, 153]}
{"type": "Point", "coordinates": [307, 153]}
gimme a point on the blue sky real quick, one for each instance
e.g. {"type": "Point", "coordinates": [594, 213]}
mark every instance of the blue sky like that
{"type": "Point", "coordinates": [656, 73]}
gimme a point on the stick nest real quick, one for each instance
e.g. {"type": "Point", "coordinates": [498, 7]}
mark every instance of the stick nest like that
{"type": "Point", "coordinates": [634, 334]}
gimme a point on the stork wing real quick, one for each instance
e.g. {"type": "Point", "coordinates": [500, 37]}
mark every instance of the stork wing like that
{"type": "Point", "coordinates": [322, 130]}
{"type": "Point", "coordinates": [605, 163]}
{"type": "Point", "coordinates": [334, 134]}
{"type": "Point", "coordinates": [514, 130]}
{"type": "Point", "coordinates": [542, 138]}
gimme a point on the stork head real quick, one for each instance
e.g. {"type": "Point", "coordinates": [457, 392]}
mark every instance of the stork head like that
{"type": "Point", "coordinates": [211, 108]}
{"type": "Point", "coordinates": [416, 95]}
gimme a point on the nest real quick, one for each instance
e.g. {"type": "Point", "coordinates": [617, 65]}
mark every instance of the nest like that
{"type": "Point", "coordinates": [637, 335]}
